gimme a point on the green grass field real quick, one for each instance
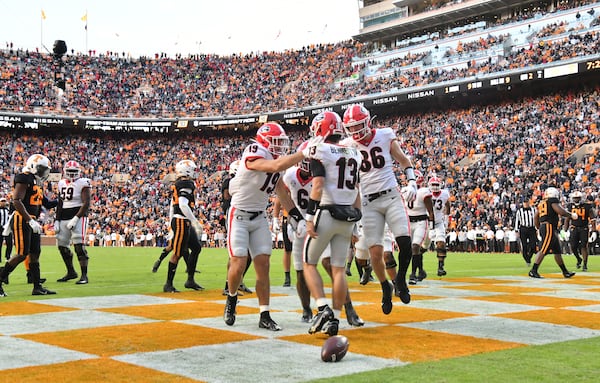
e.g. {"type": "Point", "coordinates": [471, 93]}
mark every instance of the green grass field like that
{"type": "Point", "coordinates": [128, 271]}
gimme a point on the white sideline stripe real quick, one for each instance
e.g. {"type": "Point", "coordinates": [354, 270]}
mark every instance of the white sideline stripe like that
{"type": "Point", "coordinates": [106, 302]}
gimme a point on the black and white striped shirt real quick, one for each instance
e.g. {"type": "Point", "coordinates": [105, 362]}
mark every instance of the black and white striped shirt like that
{"type": "Point", "coordinates": [524, 217]}
{"type": "Point", "coordinates": [4, 215]}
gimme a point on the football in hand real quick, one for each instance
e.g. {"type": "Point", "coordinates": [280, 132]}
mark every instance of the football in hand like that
{"type": "Point", "coordinates": [334, 348]}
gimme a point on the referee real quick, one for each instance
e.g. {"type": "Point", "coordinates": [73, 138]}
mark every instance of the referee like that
{"type": "Point", "coordinates": [526, 229]}
{"type": "Point", "coordinates": [4, 217]}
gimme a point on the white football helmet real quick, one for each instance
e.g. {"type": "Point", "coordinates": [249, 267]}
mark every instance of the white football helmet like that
{"type": "Point", "coordinates": [577, 197]}
{"type": "Point", "coordinates": [186, 168]}
{"type": "Point", "coordinates": [233, 167]}
{"type": "Point", "coordinates": [357, 122]}
{"type": "Point", "coordinates": [38, 165]}
{"type": "Point", "coordinates": [72, 170]}
{"type": "Point", "coordinates": [435, 184]}
{"type": "Point", "coordinates": [552, 193]}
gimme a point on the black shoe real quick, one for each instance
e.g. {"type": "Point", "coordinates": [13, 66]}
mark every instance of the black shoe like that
{"type": "Point", "coordinates": [193, 285]}
{"type": "Point", "coordinates": [42, 291]}
{"type": "Point", "coordinates": [584, 268]}
{"type": "Point", "coordinates": [167, 288]}
{"type": "Point", "coordinates": [331, 327]}
{"type": "Point", "coordinates": [386, 300]}
{"type": "Point", "coordinates": [2, 293]}
{"type": "Point", "coordinates": [287, 282]}
{"type": "Point", "coordinates": [229, 313]}
{"type": "Point", "coordinates": [534, 274]}
{"type": "Point", "coordinates": [156, 266]}
{"type": "Point", "coordinates": [83, 280]}
{"type": "Point", "coordinates": [579, 260]}
{"type": "Point", "coordinates": [320, 319]}
{"type": "Point", "coordinates": [422, 275]}
{"type": "Point", "coordinates": [441, 272]}
{"type": "Point", "coordinates": [412, 279]}
{"type": "Point", "coordinates": [68, 277]}
{"type": "Point", "coordinates": [348, 272]}
{"type": "Point", "coordinates": [307, 315]}
{"type": "Point", "coordinates": [568, 274]}
{"type": "Point", "coordinates": [402, 290]}
{"type": "Point", "coordinates": [352, 317]}
{"type": "Point", "coordinates": [243, 288]}
{"type": "Point", "coordinates": [366, 275]}
{"type": "Point", "coordinates": [268, 323]}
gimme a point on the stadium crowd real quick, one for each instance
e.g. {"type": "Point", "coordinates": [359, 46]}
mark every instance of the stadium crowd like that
{"type": "Point", "coordinates": [212, 85]}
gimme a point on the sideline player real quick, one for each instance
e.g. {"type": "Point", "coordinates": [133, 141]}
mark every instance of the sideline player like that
{"type": "Point", "coordinates": [74, 199]}
{"type": "Point", "coordinates": [382, 202]}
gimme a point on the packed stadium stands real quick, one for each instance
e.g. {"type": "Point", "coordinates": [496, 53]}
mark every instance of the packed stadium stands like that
{"type": "Point", "coordinates": [492, 153]}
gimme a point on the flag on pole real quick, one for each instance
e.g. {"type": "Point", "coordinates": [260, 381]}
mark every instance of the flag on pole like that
{"type": "Point", "coordinates": [43, 15]}
{"type": "Point", "coordinates": [84, 19]}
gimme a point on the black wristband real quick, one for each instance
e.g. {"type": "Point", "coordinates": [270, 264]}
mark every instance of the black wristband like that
{"type": "Point", "coordinates": [313, 205]}
{"type": "Point", "coordinates": [295, 213]}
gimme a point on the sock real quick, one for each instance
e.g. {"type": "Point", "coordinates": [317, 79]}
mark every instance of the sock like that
{"type": "Point", "coordinates": [563, 268]}
{"type": "Point", "coordinates": [171, 273]}
{"type": "Point", "coordinates": [535, 267]}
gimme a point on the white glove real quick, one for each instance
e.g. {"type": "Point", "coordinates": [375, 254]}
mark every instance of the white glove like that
{"type": "Point", "coordinates": [6, 230]}
{"type": "Point", "coordinates": [72, 222]}
{"type": "Point", "coordinates": [574, 216]}
{"type": "Point", "coordinates": [311, 147]}
{"type": "Point", "coordinates": [35, 226]}
{"type": "Point", "coordinates": [197, 228]}
{"type": "Point", "coordinates": [301, 229]}
{"type": "Point", "coordinates": [170, 235]}
{"type": "Point", "coordinates": [56, 227]}
{"type": "Point", "coordinates": [276, 226]}
{"type": "Point", "coordinates": [411, 191]}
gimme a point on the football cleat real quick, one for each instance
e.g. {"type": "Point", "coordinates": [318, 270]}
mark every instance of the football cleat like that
{"type": "Point", "coordinates": [168, 288]}
{"type": "Point", "coordinates": [441, 272]}
{"type": "Point", "coordinates": [307, 315]}
{"type": "Point", "coordinates": [193, 285]}
{"type": "Point", "coordinates": [41, 290]}
{"type": "Point", "coordinates": [229, 313]}
{"type": "Point", "coordinates": [243, 288]}
{"type": "Point", "coordinates": [268, 323]}
{"type": "Point", "coordinates": [68, 277]}
{"type": "Point", "coordinates": [352, 316]}
{"type": "Point", "coordinates": [156, 266]}
{"type": "Point", "coordinates": [2, 293]}
{"type": "Point", "coordinates": [331, 327]}
{"type": "Point", "coordinates": [568, 274]}
{"type": "Point", "coordinates": [320, 319]}
{"type": "Point", "coordinates": [422, 275]}
{"type": "Point", "coordinates": [82, 281]}
{"type": "Point", "coordinates": [366, 275]}
{"type": "Point", "coordinates": [534, 274]}
{"type": "Point", "coordinates": [412, 279]}
{"type": "Point", "coordinates": [386, 300]}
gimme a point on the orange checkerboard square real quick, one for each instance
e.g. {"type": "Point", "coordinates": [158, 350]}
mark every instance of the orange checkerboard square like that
{"type": "Point", "coordinates": [117, 340]}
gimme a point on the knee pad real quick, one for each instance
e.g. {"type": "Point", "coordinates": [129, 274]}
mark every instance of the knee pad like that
{"type": "Point", "coordinates": [81, 252]}
{"type": "Point", "coordinates": [390, 261]}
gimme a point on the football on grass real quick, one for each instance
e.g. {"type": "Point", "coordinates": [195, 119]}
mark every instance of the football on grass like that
{"type": "Point", "coordinates": [334, 348]}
